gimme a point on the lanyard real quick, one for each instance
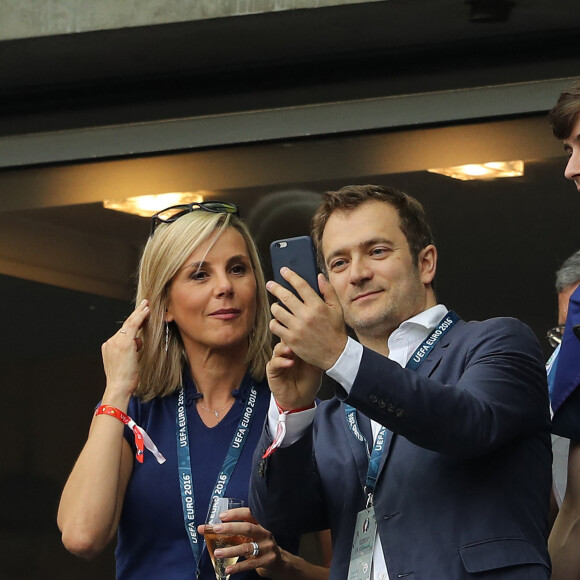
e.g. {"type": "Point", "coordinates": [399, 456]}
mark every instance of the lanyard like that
{"type": "Point", "coordinates": [551, 366]}
{"type": "Point", "coordinates": [230, 462]}
{"type": "Point", "coordinates": [413, 363]}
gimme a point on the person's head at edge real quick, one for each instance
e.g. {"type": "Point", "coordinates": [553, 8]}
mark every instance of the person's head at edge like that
{"type": "Point", "coordinates": [565, 120]}
{"type": "Point", "coordinates": [375, 245]}
{"type": "Point", "coordinates": [163, 257]}
{"type": "Point", "coordinates": [567, 280]}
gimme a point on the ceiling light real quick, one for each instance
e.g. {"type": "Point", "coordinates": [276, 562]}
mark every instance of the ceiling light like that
{"type": "Point", "coordinates": [491, 170]}
{"type": "Point", "coordinates": [147, 205]}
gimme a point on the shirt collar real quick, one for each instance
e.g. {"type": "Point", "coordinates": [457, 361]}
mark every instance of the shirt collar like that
{"type": "Point", "coordinates": [428, 319]}
{"type": "Point", "coordinates": [411, 333]}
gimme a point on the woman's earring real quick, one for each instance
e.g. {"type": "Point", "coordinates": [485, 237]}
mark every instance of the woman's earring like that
{"type": "Point", "coordinates": [166, 337]}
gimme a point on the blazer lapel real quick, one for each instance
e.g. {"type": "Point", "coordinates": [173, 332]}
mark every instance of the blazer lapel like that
{"type": "Point", "coordinates": [389, 440]}
{"type": "Point", "coordinates": [432, 360]}
{"type": "Point", "coordinates": [427, 368]}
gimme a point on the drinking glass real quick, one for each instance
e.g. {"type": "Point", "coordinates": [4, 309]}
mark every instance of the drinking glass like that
{"type": "Point", "coordinates": [221, 540]}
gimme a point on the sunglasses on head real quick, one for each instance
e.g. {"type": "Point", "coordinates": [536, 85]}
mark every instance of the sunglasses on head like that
{"type": "Point", "coordinates": [170, 214]}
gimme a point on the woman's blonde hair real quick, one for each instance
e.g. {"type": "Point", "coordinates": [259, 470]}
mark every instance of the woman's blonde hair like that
{"type": "Point", "coordinates": [160, 371]}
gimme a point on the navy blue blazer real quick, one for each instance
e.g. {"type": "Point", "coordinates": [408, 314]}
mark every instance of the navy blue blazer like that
{"type": "Point", "coordinates": [465, 476]}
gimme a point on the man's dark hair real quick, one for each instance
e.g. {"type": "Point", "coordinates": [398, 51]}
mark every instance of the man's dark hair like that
{"type": "Point", "coordinates": [564, 113]}
{"type": "Point", "coordinates": [412, 218]}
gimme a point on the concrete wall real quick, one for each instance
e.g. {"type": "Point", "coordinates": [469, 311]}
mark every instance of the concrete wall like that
{"type": "Point", "coordinates": [36, 18]}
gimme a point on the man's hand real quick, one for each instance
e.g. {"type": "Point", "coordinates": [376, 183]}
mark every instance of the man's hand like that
{"type": "Point", "coordinates": [293, 382]}
{"type": "Point", "coordinates": [313, 328]}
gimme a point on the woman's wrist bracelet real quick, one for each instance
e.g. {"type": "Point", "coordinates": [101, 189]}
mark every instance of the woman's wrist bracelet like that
{"type": "Point", "coordinates": [142, 440]}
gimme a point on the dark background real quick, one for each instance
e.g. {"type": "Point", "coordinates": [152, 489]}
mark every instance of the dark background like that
{"type": "Point", "coordinates": [499, 242]}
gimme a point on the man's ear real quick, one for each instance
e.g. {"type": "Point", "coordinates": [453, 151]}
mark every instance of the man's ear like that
{"type": "Point", "coordinates": [427, 263]}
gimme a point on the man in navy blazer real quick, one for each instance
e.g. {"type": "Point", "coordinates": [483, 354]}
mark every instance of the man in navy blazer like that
{"type": "Point", "coordinates": [459, 482]}
{"type": "Point", "coordinates": [565, 371]}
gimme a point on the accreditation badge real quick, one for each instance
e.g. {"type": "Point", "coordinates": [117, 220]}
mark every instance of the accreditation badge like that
{"type": "Point", "coordinates": [363, 544]}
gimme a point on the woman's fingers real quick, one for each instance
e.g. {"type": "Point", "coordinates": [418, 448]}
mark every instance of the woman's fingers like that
{"type": "Point", "coordinates": [135, 321]}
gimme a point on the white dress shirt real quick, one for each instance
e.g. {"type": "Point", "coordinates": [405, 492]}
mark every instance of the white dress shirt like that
{"type": "Point", "coordinates": [402, 344]}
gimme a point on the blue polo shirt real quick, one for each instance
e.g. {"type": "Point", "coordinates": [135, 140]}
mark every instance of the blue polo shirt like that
{"type": "Point", "coordinates": [152, 540]}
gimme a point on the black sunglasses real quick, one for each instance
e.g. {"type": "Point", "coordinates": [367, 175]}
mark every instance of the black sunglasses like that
{"type": "Point", "coordinates": [170, 214]}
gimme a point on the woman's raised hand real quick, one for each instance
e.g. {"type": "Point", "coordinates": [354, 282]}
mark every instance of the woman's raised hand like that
{"type": "Point", "coordinates": [120, 356]}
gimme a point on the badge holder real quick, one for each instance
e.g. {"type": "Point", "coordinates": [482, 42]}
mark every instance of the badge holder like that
{"type": "Point", "coordinates": [363, 543]}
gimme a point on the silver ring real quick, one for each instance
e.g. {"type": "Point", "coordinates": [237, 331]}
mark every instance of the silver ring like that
{"type": "Point", "coordinates": [123, 331]}
{"type": "Point", "coordinates": [256, 550]}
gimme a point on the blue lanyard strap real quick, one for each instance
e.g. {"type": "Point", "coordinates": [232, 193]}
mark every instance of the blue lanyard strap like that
{"type": "Point", "coordinates": [374, 461]}
{"type": "Point", "coordinates": [413, 363]}
{"type": "Point", "coordinates": [442, 328]}
{"type": "Point", "coordinates": [373, 456]}
{"type": "Point", "coordinates": [184, 464]}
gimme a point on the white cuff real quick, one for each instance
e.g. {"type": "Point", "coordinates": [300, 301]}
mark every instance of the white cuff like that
{"type": "Point", "coordinates": [346, 367]}
{"type": "Point", "coordinates": [296, 423]}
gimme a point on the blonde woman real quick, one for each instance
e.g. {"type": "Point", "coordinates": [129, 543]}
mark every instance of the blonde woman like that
{"type": "Point", "coordinates": [182, 411]}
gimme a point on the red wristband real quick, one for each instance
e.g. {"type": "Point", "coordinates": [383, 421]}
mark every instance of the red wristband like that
{"type": "Point", "coordinates": [142, 440]}
{"type": "Point", "coordinates": [124, 418]}
{"type": "Point", "coordinates": [281, 427]}
{"type": "Point", "coordinates": [293, 410]}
